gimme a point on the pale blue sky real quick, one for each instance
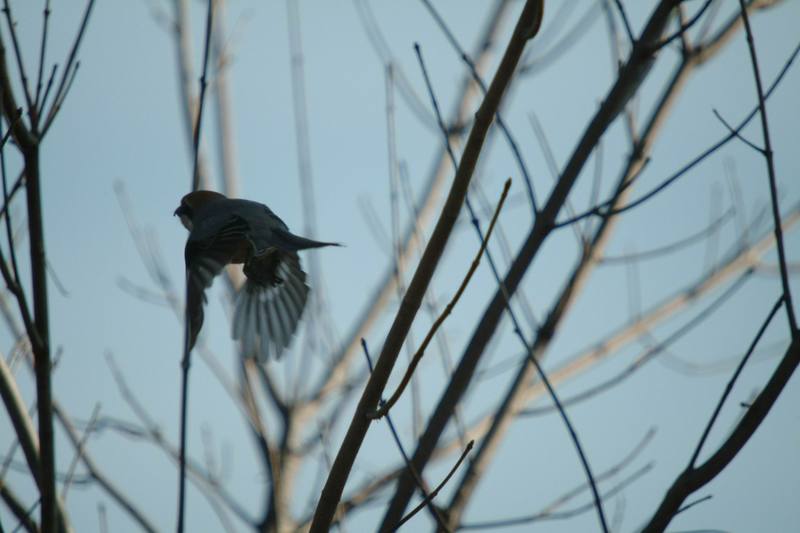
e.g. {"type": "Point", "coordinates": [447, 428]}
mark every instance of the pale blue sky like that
{"type": "Point", "coordinates": [121, 123]}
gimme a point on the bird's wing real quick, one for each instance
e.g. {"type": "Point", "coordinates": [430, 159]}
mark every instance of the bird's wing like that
{"type": "Point", "coordinates": [270, 304]}
{"type": "Point", "coordinates": [206, 254]}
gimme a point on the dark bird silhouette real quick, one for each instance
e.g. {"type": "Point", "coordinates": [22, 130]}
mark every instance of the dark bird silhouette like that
{"type": "Point", "coordinates": [270, 303]}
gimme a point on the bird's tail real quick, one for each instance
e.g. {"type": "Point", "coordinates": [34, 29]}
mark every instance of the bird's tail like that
{"type": "Point", "coordinates": [266, 317]}
{"type": "Point", "coordinates": [288, 241]}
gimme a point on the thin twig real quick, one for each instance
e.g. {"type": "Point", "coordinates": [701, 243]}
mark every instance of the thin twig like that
{"type": "Point", "coordinates": [68, 75]}
{"type": "Point", "coordinates": [686, 25]}
{"type": "Point", "coordinates": [203, 86]}
{"type": "Point", "coordinates": [23, 77]}
{"type": "Point", "coordinates": [479, 80]}
{"type": "Point", "coordinates": [605, 210]}
{"type": "Point", "coordinates": [692, 504]}
{"type": "Point", "coordinates": [79, 451]}
{"type": "Point", "coordinates": [6, 201]}
{"type": "Point", "coordinates": [768, 156]}
{"type": "Point", "coordinates": [186, 360]}
{"type": "Point", "coordinates": [736, 133]}
{"type": "Point", "coordinates": [384, 409]}
{"type": "Point", "coordinates": [437, 516]}
{"type": "Point", "coordinates": [42, 51]}
{"type": "Point", "coordinates": [560, 515]}
{"type": "Point", "coordinates": [625, 22]}
{"type": "Point", "coordinates": [439, 487]}
{"type": "Point", "coordinates": [732, 381]}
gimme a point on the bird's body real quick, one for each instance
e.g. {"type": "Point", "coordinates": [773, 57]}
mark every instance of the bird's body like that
{"type": "Point", "coordinates": [223, 231]}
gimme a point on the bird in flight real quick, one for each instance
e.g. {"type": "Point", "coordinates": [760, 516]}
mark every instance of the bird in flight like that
{"type": "Point", "coordinates": [225, 230]}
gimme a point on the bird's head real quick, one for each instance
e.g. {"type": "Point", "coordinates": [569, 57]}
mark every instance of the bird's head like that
{"type": "Point", "coordinates": [192, 202]}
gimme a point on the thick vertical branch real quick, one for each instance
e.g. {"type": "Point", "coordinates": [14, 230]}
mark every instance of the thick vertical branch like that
{"type": "Point", "coordinates": [42, 364]}
{"type": "Point", "coordinates": [526, 27]}
{"type": "Point", "coordinates": [40, 340]}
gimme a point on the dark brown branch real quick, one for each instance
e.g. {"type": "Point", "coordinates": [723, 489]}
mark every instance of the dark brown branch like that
{"type": "Point", "coordinates": [692, 479]}
{"type": "Point", "coordinates": [331, 493]}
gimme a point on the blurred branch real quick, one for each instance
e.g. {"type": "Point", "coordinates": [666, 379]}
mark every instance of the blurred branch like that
{"type": "Point", "coordinates": [651, 351]}
{"type": "Point", "coordinates": [203, 480]}
{"type": "Point", "coordinates": [80, 446]}
{"type": "Point", "coordinates": [384, 52]}
{"type": "Point", "coordinates": [540, 55]}
{"type": "Point", "coordinates": [740, 261]}
{"type": "Point", "coordinates": [182, 33]}
{"type": "Point", "coordinates": [113, 491]}
{"type": "Point", "coordinates": [560, 515]}
{"type": "Point", "coordinates": [20, 420]}
{"type": "Point", "coordinates": [226, 144]}
{"type": "Point", "coordinates": [672, 247]}
{"type": "Point", "coordinates": [551, 511]}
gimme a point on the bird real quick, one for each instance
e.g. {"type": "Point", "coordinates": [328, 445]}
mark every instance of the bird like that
{"type": "Point", "coordinates": [270, 303]}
